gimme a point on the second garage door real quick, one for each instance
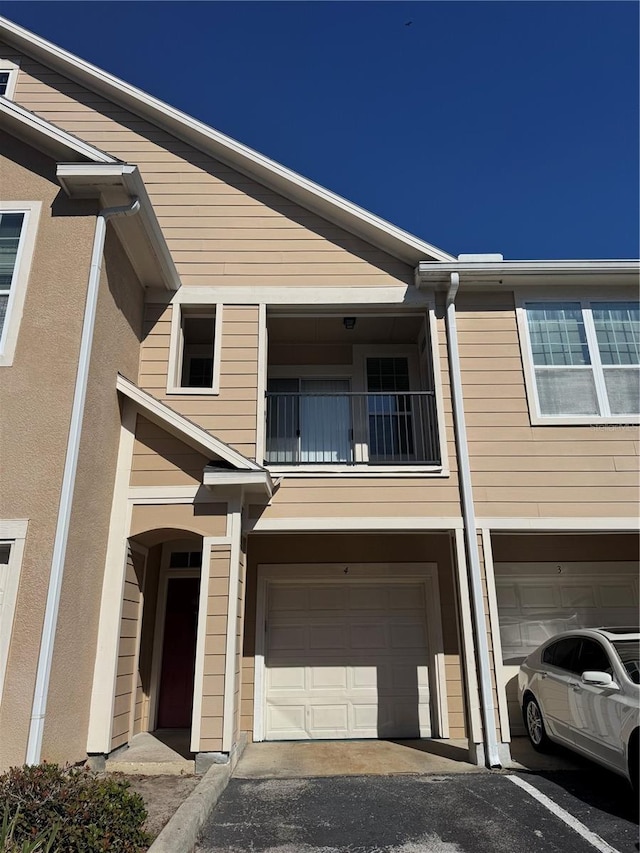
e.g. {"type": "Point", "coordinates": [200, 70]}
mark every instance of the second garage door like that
{"type": "Point", "coordinates": [346, 661]}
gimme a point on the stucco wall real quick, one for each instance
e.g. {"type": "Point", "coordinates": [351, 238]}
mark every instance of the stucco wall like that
{"type": "Point", "coordinates": [35, 424]}
{"type": "Point", "coordinates": [115, 349]}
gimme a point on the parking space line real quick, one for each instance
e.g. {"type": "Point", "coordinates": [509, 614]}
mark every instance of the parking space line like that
{"type": "Point", "coordinates": [577, 826]}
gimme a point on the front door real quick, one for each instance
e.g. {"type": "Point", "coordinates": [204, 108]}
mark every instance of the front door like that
{"type": "Point", "coordinates": [175, 701]}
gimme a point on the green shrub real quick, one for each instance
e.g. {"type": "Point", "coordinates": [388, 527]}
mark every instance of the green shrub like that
{"type": "Point", "coordinates": [94, 814]}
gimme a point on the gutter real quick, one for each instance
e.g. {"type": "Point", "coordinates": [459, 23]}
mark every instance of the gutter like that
{"type": "Point", "coordinates": [45, 657]}
{"type": "Point", "coordinates": [492, 756]}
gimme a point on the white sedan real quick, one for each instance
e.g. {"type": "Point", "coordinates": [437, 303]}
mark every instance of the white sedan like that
{"type": "Point", "coordinates": [582, 689]}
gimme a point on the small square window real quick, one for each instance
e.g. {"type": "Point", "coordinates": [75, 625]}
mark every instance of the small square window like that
{"type": "Point", "coordinates": [8, 77]}
{"type": "Point", "coordinates": [195, 350]}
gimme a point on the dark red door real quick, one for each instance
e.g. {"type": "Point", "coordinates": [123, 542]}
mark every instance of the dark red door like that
{"type": "Point", "coordinates": [175, 701]}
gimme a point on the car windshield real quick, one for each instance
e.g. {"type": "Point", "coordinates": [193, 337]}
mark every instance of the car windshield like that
{"type": "Point", "coordinates": [629, 654]}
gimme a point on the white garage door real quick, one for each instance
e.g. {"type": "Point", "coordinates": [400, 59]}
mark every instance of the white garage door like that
{"type": "Point", "coordinates": [537, 601]}
{"type": "Point", "coordinates": [346, 661]}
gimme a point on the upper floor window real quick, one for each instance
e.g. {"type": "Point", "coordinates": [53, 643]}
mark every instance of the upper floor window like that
{"type": "Point", "coordinates": [8, 77]}
{"type": "Point", "coordinates": [195, 349]}
{"type": "Point", "coordinates": [18, 222]}
{"type": "Point", "coordinates": [585, 358]}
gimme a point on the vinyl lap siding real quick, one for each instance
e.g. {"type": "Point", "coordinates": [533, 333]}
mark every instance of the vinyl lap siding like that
{"type": "Point", "coordinates": [221, 227]}
{"type": "Point", "coordinates": [231, 415]}
{"type": "Point", "coordinates": [524, 470]}
{"type": "Point", "coordinates": [161, 459]}
{"type": "Point", "coordinates": [215, 650]}
{"type": "Point", "coordinates": [128, 695]}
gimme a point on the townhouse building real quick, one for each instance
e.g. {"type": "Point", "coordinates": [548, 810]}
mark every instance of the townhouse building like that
{"type": "Point", "coordinates": [272, 468]}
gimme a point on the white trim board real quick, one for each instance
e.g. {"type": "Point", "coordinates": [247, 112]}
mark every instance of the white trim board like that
{"type": "Point", "coordinates": [331, 524]}
{"type": "Point", "coordinates": [583, 524]}
{"type": "Point", "coordinates": [392, 573]}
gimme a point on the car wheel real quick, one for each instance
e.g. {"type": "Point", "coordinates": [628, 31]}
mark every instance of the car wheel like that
{"type": "Point", "coordinates": [535, 725]}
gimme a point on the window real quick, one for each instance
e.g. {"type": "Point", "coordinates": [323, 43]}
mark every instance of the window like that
{"type": "Point", "coordinates": [8, 77]}
{"type": "Point", "coordinates": [12, 539]}
{"type": "Point", "coordinates": [585, 358]}
{"type": "Point", "coordinates": [18, 222]}
{"type": "Point", "coordinates": [185, 560]}
{"type": "Point", "coordinates": [593, 658]}
{"type": "Point", "coordinates": [562, 654]}
{"type": "Point", "coordinates": [195, 350]}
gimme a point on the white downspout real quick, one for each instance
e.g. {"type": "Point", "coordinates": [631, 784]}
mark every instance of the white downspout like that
{"type": "Point", "coordinates": [39, 707]}
{"type": "Point", "coordinates": [492, 756]}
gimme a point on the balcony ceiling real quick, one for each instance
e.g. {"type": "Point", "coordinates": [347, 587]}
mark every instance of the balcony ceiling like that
{"type": "Point", "coordinates": [331, 330]}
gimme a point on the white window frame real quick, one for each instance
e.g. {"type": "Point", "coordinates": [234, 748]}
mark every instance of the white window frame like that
{"type": "Point", "coordinates": [18, 288]}
{"type": "Point", "coordinates": [176, 348]}
{"type": "Point", "coordinates": [12, 68]}
{"type": "Point", "coordinates": [585, 302]}
{"type": "Point", "coordinates": [13, 532]}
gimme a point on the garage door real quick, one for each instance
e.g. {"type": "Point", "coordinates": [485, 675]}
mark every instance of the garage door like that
{"type": "Point", "coordinates": [346, 661]}
{"type": "Point", "coordinates": [533, 607]}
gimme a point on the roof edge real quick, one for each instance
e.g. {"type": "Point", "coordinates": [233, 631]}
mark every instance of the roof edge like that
{"type": "Point", "coordinates": [305, 192]}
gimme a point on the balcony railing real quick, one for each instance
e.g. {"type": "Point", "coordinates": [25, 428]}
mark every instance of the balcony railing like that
{"type": "Point", "coordinates": [381, 428]}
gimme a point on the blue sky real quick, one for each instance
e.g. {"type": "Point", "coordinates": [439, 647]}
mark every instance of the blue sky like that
{"type": "Point", "coordinates": [479, 126]}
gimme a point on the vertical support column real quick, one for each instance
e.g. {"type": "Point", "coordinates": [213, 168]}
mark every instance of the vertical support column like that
{"type": "Point", "coordinates": [474, 718]}
{"type": "Point", "coordinates": [496, 642]}
{"type": "Point", "coordinates": [105, 670]}
{"type": "Point", "coordinates": [235, 533]}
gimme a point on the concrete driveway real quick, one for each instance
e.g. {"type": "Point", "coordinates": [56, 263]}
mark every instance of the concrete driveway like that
{"type": "Point", "coordinates": [287, 806]}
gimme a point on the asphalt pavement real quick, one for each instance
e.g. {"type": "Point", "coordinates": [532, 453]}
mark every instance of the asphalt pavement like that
{"type": "Point", "coordinates": [573, 811]}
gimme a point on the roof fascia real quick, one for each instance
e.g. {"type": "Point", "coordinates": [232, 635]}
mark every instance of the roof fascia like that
{"type": "Point", "coordinates": [506, 272]}
{"type": "Point", "coordinates": [53, 140]}
{"type": "Point", "coordinates": [303, 191]}
{"type": "Point", "coordinates": [82, 180]}
{"type": "Point", "coordinates": [182, 428]}
{"type": "Point", "coordinates": [251, 481]}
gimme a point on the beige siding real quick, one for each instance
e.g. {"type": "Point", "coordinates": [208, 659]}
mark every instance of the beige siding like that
{"type": "Point", "coordinates": [222, 227]}
{"type": "Point", "coordinates": [374, 547]}
{"type": "Point", "coordinates": [231, 415]}
{"type": "Point", "coordinates": [524, 470]}
{"type": "Point", "coordinates": [128, 693]}
{"type": "Point", "coordinates": [203, 519]}
{"type": "Point", "coordinates": [160, 459]}
{"type": "Point", "coordinates": [215, 649]}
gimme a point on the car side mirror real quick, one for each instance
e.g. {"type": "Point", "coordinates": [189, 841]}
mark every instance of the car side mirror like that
{"type": "Point", "coordinates": [599, 679]}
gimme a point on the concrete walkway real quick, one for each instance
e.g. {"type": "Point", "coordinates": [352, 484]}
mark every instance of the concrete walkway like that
{"type": "Point", "coordinates": [311, 759]}
{"type": "Point", "coordinates": [154, 754]}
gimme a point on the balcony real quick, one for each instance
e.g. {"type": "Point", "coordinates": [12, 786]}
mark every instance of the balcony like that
{"type": "Point", "coordinates": [345, 428]}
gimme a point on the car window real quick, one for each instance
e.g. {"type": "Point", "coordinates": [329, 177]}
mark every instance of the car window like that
{"type": "Point", "coordinates": [629, 654]}
{"type": "Point", "coordinates": [563, 653]}
{"type": "Point", "coordinates": [592, 656]}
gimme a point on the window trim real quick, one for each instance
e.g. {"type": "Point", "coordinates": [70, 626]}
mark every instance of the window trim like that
{"type": "Point", "coordinates": [13, 68]}
{"type": "Point", "coordinates": [12, 532]}
{"type": "Point", "coordinates": [176, 347]}
{"type": "Point", "coordinates": [21, 272]}
{"type": "Point", "coordinates": [585, 302]}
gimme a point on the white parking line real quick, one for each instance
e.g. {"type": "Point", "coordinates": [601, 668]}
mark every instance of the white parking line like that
{"type": "Point", "coordinates": [593, 839]}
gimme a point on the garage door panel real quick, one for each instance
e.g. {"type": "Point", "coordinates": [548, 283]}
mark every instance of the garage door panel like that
{"type": "Point", "coordinates": [532, 610]}
{"type": "Point", "coordinates": [357, 670]}
{"type": "Point", "coordinates": [369, 637]}
{"type": "Point", "coordinates": [323, 678]}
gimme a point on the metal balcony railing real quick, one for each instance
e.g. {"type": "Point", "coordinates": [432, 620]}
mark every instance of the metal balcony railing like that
{"type": "Point", "coordinates": [378, 428]}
